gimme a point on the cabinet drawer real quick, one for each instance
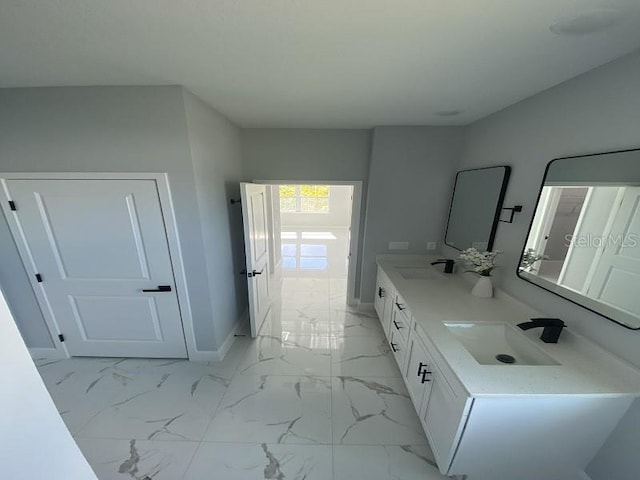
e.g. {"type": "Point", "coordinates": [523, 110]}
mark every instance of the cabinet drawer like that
{"type": "Point", "coordinates": [398, 347]}
{"type": "Point", "coordinates": [401, 317]}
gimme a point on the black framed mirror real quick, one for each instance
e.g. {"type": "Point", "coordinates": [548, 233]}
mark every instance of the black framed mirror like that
{"type": "Point", "coordinates": [584, 239]}
{"type": "Point", "coordinates": [475, 207]}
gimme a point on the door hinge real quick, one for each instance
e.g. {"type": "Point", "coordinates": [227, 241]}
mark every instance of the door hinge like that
{"type": "Point", "coordinates": [12, 205]}
{"type": "Point", "coordinates": [61, 337]}
{"type": "Point", "coordinates": [39, 278]}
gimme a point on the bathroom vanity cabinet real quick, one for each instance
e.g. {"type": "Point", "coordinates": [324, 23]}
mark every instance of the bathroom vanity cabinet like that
{"type": "Point", "coordinates": [494, 421]}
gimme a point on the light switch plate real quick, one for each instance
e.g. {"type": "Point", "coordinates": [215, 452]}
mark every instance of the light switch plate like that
{"type": "Point", "coordinates": [431, 245]}
{"type": "Point", "coordinates": [398, 245]}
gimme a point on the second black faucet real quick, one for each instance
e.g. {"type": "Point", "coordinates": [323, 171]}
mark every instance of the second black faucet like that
{"type": "Point", "coordinates": [448, 264]}
{"type": "Point", "coordinates": [552, 328]}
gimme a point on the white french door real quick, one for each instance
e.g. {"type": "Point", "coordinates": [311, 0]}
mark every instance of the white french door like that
{"type": "Point", "coordinates": [616, 278]}
{"type": "Point", "coordinates": [256, 240]}
{"type": "Point", "coordinates": [101, 254]}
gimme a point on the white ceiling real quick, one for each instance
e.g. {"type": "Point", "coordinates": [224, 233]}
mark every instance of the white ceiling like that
{"type": "Point", "coordinates": [313, 63]}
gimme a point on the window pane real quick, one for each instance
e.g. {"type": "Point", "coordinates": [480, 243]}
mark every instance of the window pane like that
{"type": "Point", "coordinates": [288, 204]}
{"type": "Point", "coordinates": [322, 190]}
{"type": "Point", "coordinates": [308, 204]}
{"type": "Point", "coordinates": [314, 191]}
{"type": "Point", "coordinates": [287, 190]}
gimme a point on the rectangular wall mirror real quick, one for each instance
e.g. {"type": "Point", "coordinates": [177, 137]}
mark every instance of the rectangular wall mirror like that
{"type": "Point", "coordinates": [584, 240]}
{"type": "Point", "coordinates": [475, 207]}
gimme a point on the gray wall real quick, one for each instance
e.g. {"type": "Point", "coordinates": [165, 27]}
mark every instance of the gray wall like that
{"type": "Point", "coordinates": [215, 151]}
{"type": "Point", "coordinates": [308, 154]}
{"type": "Point", "coordinates": [104, 129]}
{"type": "Point", "coordinates": [410, 184]}
{"type": "Point", "coordinates": [596, 112]}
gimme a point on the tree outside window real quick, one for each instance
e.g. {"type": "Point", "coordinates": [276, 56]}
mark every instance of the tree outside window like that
{"type": "Point", "coordinates": [304, 198]}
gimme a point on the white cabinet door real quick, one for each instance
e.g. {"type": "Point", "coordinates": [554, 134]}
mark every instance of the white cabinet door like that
{"type": "Point", "coordinates": [417, 375]}
{"type": "Point", "coordinates": [384, 295]}
{"type": "Point", "coordinates": [388, 311]}
{"type": "Point", "coordinates": [380, 294]}
{"type": "Point", "coordinates": [443, 414]}
{"type": "Point", "coordinates": [256, 241]}
{"type": "Point", "coordinates": [101, 249]}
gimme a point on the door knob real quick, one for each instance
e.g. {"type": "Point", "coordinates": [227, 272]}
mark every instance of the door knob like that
{"type": "Point", "coordinates": [255, 272]}
{"type": "Point", "coordinates": [161, 288]}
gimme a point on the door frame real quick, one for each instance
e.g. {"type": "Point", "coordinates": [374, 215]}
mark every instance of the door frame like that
{"type": "Point", "coordinates": [356, 206]}
{"type": "Point", "coordinates": [173, 240]}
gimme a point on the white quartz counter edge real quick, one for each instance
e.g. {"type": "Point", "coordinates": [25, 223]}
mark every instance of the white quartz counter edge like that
{"type": "Point", "coordinates": [585, 368]}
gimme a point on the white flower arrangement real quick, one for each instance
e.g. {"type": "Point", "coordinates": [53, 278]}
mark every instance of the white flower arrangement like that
{"type": "Point", "coordinates": [529, 259]}
{"type": "Point", "coordinates": [481, 263]}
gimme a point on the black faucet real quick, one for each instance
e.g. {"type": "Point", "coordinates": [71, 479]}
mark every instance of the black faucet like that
{"type": "Point", "coordinates": [448, 264]}
{"type": "Point", "coordinates": [552, 328]}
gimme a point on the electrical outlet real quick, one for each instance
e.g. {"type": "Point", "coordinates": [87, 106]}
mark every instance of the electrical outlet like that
{"type": "Point", "coordinates": [398, 245]}
{"type": "Point", "coordinates": [431, 245]}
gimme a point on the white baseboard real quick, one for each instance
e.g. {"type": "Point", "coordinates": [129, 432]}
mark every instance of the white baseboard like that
{"type": "Point", "coordinates": [219, 354]}
{"type": "Point", "coordinates": [49, 353]}
{"type": "Point", "coordinates": [199, 356]}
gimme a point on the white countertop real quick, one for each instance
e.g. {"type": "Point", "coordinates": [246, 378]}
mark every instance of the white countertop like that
{"type": "Point", "coordinates": [584, 367]}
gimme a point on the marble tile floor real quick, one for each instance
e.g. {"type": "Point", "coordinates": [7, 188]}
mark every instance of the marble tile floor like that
{"type": "Point", "coordinates": [316, 395]}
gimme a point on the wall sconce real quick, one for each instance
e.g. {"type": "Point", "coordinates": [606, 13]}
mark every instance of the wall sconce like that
{"type": "Point", "coordinates": [514, 209]}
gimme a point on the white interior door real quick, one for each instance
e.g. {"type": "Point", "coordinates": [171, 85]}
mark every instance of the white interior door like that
{"type": "Point", "coordinates": [616, 278]}
{"type": "Point", "coordinates": [98, 245]}
{"type": "Point", "coordinates": [256, 240]}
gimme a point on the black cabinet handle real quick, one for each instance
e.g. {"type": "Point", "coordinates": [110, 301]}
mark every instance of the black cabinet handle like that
{"type": "Point", "coordinates": [424, 377]}
{"type": "Point", "coordinates": [398, 327]}
{"type": "Point", "coordinates": [161, 288]}
{"type": "Point", "coordinates": [421, 367]}
{"type": "Point", "coordinates": [380, 292]}
{"type": "Point", "coordinates": [254, 273]}
{"type": "Point", "coordinates": [393, 347]}
{"type": "Point", "coordinates": [400, 307]}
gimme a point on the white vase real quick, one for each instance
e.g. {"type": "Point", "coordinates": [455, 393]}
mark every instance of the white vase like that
{"type": "Point", "coordinates": [483, 288]}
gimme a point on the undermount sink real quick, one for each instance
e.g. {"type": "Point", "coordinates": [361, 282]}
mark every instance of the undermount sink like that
{"type": "Point", "coordinates": [416, 273]}
{"type": "Point", "coordinates": [495, 343]}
